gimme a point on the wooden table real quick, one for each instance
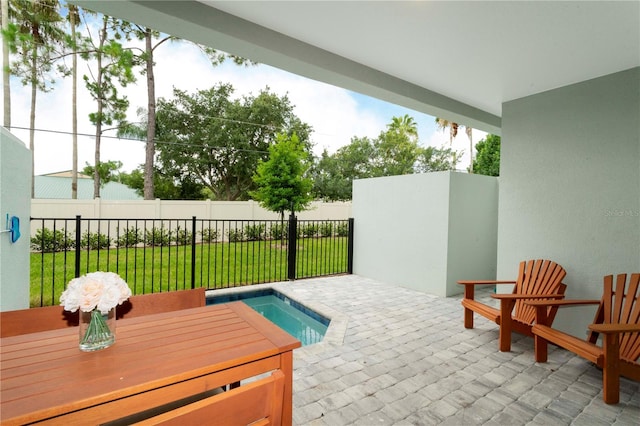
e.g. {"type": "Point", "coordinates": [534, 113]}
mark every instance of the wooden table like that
{"type": "Point", "coordinates": [156, 360]}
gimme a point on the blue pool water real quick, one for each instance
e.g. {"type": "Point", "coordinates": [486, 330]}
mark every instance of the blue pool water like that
{"type": "Point", "coordinates": [299, 321]}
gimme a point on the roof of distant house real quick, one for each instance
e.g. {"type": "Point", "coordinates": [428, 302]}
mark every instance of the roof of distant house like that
{"type": "Point", "coordinates": [67, 173]}
{"type": "Point", "coordinates": [58, 186]}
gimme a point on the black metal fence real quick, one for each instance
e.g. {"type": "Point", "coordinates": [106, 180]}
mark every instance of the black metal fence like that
{"type": "Point", "coordinates": [158, 255]}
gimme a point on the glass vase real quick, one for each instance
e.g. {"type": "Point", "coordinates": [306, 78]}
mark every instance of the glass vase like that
{"type": "Point", "coordinates": [97, 330]}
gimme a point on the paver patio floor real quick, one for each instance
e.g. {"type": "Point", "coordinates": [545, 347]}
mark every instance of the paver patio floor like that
{"type": "Point", "coordinates": [394, 356]}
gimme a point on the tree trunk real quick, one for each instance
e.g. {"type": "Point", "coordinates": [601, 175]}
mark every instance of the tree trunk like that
{"type": "Point", "coordinates": [74, 105]}
{"type": "Point", "coordinates": [96, 160]}
{"type": "Point", "coordinates": [96, 166]}
{"type": "Point", "coordinates": [32, 118]}
{"type": "Point", "coordinates": [151, 121]}
{"type": "Point", "coordinates": [469, 131]}
{"type": "Point", "coordinates": [5, 67]}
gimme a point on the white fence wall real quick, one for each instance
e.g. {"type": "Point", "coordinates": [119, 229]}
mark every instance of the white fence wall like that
{"type": "Point", "coordinates": [163, 209]}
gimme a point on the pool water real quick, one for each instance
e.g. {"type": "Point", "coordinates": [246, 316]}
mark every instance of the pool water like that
{"type": "Point", "coordinates": [299, 321]}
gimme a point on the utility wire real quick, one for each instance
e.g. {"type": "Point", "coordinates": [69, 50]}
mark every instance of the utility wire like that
{"type": "Point", "coordinates": [157, 142]}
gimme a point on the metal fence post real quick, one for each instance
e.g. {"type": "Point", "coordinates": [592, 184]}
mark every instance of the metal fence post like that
{"type": "Point", "coordinates": [350, 247]}
{"type": "Point", "coordinates": [78, 240]}
{"type": "Point", "coordinates": [193, 252]}
{"type": "Point", "coordinates": [291, 246]}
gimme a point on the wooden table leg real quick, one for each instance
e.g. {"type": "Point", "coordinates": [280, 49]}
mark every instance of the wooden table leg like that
{"type": "Point", "coordinates": [286, 365]}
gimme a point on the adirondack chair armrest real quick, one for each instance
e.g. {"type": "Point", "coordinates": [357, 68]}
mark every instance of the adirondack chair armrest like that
{"type": "Point", "coordinates": [614, 328]}
{"type": "Point", "coordinates": [511, 296]}
{"type": "Point", "coordinates": [508, 302]}
{"type": "Point", "coordinates": [560, 303]}
{"type": "Point", "coordinates": [542, 307]}
{"type": "Point", "coordinates": [469, 286]}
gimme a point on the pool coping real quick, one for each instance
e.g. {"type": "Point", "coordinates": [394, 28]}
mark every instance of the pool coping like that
{"type": "Point", "coordinates": [338, 322]}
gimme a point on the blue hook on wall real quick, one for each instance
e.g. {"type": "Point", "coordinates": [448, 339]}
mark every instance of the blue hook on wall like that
{"type": "Point", "coordinates": [13, 227]}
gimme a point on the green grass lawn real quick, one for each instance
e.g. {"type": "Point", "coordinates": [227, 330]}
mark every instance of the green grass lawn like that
{"type": "Point", "coordinates": [217, 265]}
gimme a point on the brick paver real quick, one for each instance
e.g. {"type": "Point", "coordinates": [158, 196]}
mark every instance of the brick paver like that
{"type": "Point", "coordinates": [395, 356]}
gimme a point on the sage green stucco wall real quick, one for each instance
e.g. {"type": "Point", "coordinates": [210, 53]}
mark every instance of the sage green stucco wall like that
{"type": "Point", "coordinates": [15, 200]}
{"type": "Point", "coordinates": [473, 229]}
{"type": "Point", "coordinates": [570, 184]}
{"type": "Point", "coordinates": [426, 231]}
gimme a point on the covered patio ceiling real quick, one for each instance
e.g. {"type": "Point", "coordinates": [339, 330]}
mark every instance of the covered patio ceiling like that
{"type": "Point", "coordinates": [453, 59]}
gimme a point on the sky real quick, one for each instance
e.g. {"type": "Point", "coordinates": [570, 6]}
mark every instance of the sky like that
{"type": "Point", "coordinates": [335, 114]}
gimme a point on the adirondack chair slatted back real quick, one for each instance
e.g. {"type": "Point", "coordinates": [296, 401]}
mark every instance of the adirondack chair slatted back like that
{"type": "Point", "coordinates": [536, 277]}
{"type": "Point", "coordinates": [617, 319]}
{"type": "Point", "coordinates": [620, 305]}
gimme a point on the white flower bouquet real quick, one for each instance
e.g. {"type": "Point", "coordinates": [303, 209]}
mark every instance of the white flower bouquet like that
{"type": "Point", "coordinates": [95, 295]}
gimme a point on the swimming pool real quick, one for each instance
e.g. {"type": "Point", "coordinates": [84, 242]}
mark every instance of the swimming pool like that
{"type": "Point", "coordinates": [296, 319]}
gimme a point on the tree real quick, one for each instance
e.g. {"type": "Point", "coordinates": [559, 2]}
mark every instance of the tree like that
{"type": "Point", "coordinates": [333, 174]}
{"type": "Point", "coordinates": [444, 124]}
{"type": "Point", "coordinates": [113, 66]}
{"type": "Point", "coordinates": [404, 126]}
{"type": "Point", "coordinates": [108, 171]}
{"type": "Point", "coordinates": [6, 73]}
{"type": "Point", "coordinates": [394, 152]}
{"type": "Point", "coordinates": [469, 131]}
{"type": "Point", "coordinates": [74, 21]}
{"type": "Point", "coordinates": [281, 182]}
{"type": "Point", "coordinates": [396, 149]}
{"type": "Point", "coordinates": [149, 35]}
{"type": "Point", "coordinates": [431, 159]}
{"type": "Point", "coordinates": [134, 180]}
{"type": "Point", "coordinates": [329, 180]}
{"type": "Point", "coordinates": [34, 34]}
{"type": "Point", "coordinates": [487, 161]}
{"type": "Point", "coordinates": [147, 126]}
{"type": "Point", "coordinates": [166, 187]}
{"type": "Point", "coordinates": [210, 139]}
{"type": "Point", "coordinates": [453, 132]}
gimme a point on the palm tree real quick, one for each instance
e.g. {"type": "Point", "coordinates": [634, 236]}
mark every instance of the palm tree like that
{"type": "Point", "coordinates": [446, 124]}
{"type": "Point", "coordinates": [469, 131]}
{"type": "Point", "coordinates": [453, 132]}
{"type": "Point", "coordinates": [405, 126]}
